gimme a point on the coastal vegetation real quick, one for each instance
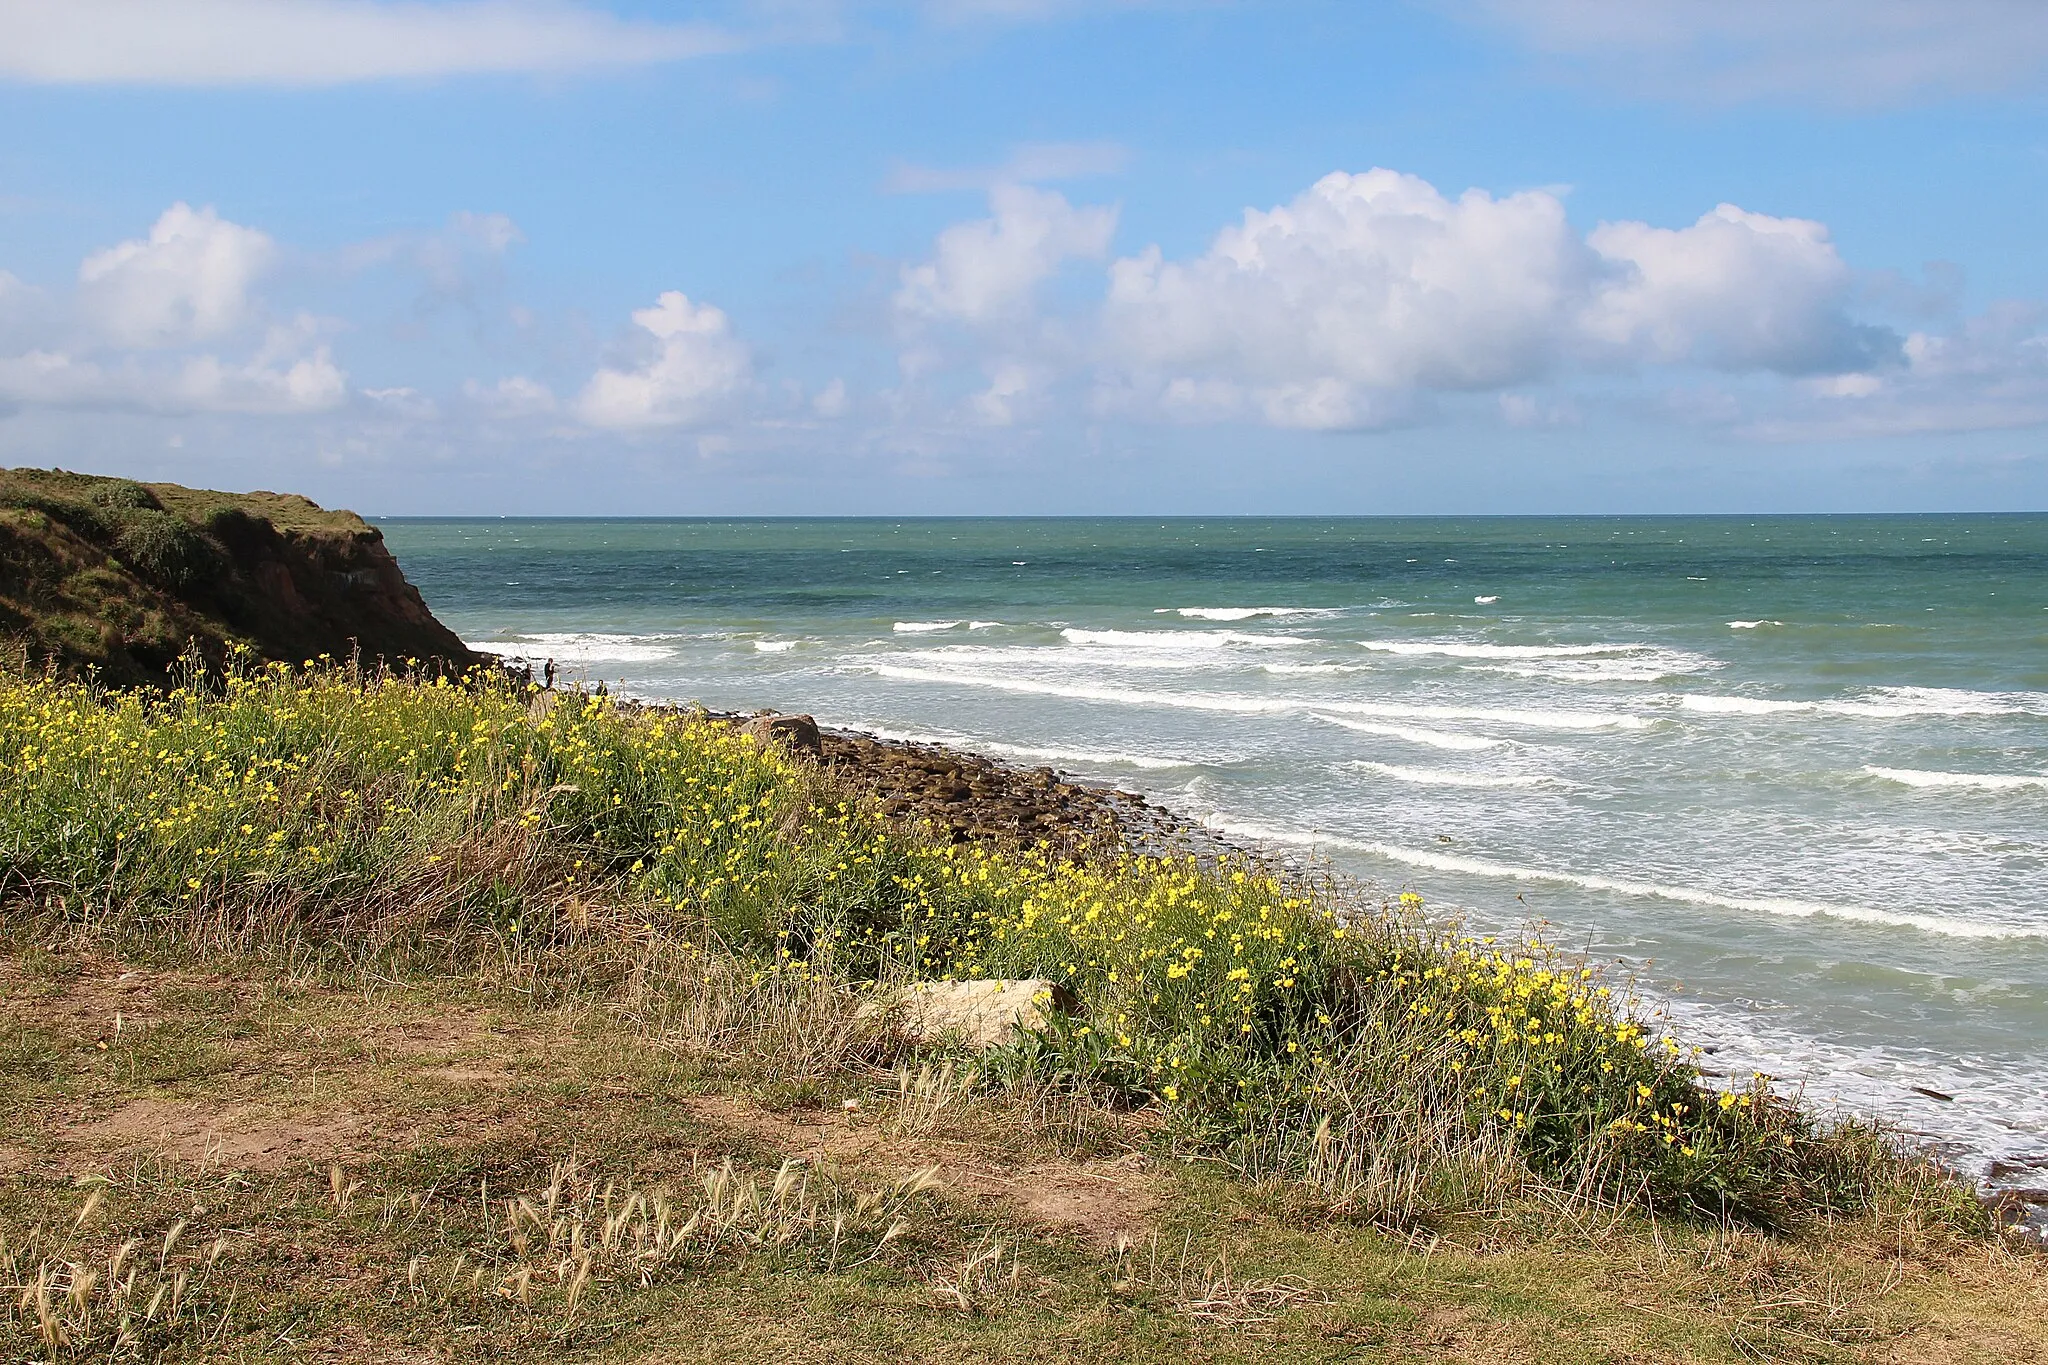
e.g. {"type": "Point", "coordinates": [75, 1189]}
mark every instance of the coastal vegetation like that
{"type": "Point", "coordinates": [583, 999]}
{"type": "Point", "coordinates": [119, 579]}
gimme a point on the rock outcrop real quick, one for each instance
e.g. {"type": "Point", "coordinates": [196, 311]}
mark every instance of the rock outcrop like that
{"type": "Point", "coordinates": [122, 578]}
{"type": "Point", "coordinates": [973, 1014]}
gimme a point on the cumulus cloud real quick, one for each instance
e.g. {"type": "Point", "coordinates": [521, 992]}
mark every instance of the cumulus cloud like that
{"type": "Point", "coordinates": [324, 42]}
{"type": "Point", "coordinates": [1832, 51]}
{"type": "Point", "coordinates": [989, 270]}
{"type": "Point", "coordinates": [1338, 308]}
{"type": "Point", "coordinates": [130, 336]}
{"type": "Point", "coordinates": [1737, 291]}
{"type": "Point", "coordinates": [692, 370]}
{"type": "Point", "coordinates": [188, 280]}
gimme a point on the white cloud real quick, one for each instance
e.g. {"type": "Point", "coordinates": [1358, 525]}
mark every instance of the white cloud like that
{"type": "Point", "coordinates": [1336, 309]}
{"type": "Point", "coordinates": [323, 42]}
{"type": "Point", "coordinates": [1372, 280]}
{"type": "Point", "coordinates": [831, 401]}
{"type": "Point", "coordinates": [1831, 51]}
{"type": "Point", "coordinates": [693, 370]}
{"type": "Point", "coordinates": [988, 270]}
{"type": "Point", "coordinates": [1011, 390]}
{"type": "Point", "coordinates": [1030, 164]}
{"type": "Point", "coordinates": [204, 383]}
{"type": "Point", "coordinates": [516, 396]}
{"type": "Point", "coordinates": [188, 281]}
{"type": "Point", "coordinates": [1988, 374]}
{"type": "Point", "coordinates": [1736, 291]}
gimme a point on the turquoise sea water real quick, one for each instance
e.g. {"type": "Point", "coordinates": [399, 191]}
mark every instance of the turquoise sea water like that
{"type": "Point", "coordinates": [1791, 772]}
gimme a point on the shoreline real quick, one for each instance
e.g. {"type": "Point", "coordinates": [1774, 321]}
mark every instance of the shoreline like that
{"type": "Point", "coordinates": [999, 803]}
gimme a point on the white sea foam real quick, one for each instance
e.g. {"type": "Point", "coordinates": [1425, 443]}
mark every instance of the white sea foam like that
{"type": "Point", "coordinates": [1241, 705]}
{"type": "Point", "coordinates": [1450, 777]}
{"type": "Point", "coordinates": [1485, 601]}
{"type": "Point", "coordinates": [774, 646]}
{"type": "Point", "coordinates": [982, 625]}
{"type": "Point", "coordinates": [1316, 668]}
{"type": "Point", "coordinates": [1239, 613]}
{"type": "Point", "coordinates": [1887, 702]}
{"type": "Point", "coordinates": [1582, 671]}
{"type": "Point", "coordinates": [1769, 905]}
{"type": "Point", "coordinates": [1998, 1109]}
{"type": "Point", "coordinates": [1462, 649]}
{"type": "Point", "coordinates": [1882, 703]}
{"type": "Point", "coordinates": [1740, 706]}
{"type": "Point", "coordinates": [925, 627]}
{"type": "Point", "coordinates": [1752, 625]}
{"type": "Point", "coordinates": [1435, 739]}
{"type": "Point", "coordinates": [578, 648]}
{"type": "Point", "coordinates": [1998, 782]}
{"type": "Point", "coordinates": [1174, 639]}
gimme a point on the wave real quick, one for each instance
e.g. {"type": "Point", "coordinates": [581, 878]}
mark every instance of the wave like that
{"type": "Point", "coordinates": [1485, 601]}
{"type": "Point", "coordinates": [578, 648]}
{"type": "Point", "coordinates": [1446, 777]}
{"type": "Point", "coordinates": [1174, 639]}
{"type": "Point", "coordinates": [1240, 613]}
{"type": "Point", "coordinates": [1752, 625]}
{"type": "Point", "coordinates": [1740, 706]}
{"type": "Point", "coordinates": [1435, 739]}
{"type": "Point", "coordinates": [1646, 665]}
{"type": "Point", "coordinates": [1542, 720]}
{"type": "Point", "coordinates": [925, 627]}
{"type": "Point", "coordinates": [1315, 668]}
{"type": "Point", "coordinates": [1914, 777]}
{"type": "Point", "coordinates": [1769, 905]}
{"type": "Point", "coordinates": [774, 646]}
{"type": "Point", "coordinates": [1882, 703]}
{"type": "Point", "coordinates": [1458, 649]}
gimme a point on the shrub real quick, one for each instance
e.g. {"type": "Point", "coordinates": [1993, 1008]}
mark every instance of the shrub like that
{"type": "Point", "coordinates": [164, 549]}
{"type": "Point", "coordinates": [125, 495]}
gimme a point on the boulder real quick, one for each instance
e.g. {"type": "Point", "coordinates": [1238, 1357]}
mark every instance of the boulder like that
{"type": "Point", "coordinates": [979, 1014]}
{"type": "Point", "coordinates": [799, 734]}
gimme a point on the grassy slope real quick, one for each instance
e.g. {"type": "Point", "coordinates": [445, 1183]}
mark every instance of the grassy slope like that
{"type": "Point", "coordinates": [119, 577]}
{"type": "Point", "coordinates": [222, 1098]}
{"type": "Point", "coordinates": [330, 973]}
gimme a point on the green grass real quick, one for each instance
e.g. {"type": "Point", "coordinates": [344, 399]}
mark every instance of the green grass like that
{"type": "Point", "coordinates": [465, 1095]}
{"type": "Point", "coordinates": [336, 970]}
{"type": "Point", "coordinates": [1375, 1065]}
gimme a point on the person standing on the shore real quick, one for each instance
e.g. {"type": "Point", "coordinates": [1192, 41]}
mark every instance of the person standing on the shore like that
{"type": "Point", "coordinates": [548, 675]}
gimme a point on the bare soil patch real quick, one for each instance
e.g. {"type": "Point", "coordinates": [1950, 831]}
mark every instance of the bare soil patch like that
{"type": "Point", "coordinates": [237, 1137]}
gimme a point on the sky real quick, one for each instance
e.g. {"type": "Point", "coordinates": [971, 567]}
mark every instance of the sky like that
{"type": "Point", "coordinates": [808, 257]}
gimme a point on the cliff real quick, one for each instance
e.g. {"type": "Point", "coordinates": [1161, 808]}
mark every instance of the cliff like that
{"type": "Point", "coordinates": [118, 576]}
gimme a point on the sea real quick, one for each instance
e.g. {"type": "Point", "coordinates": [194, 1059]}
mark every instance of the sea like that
{"type": "Point", "coordinates": [1789, 775]}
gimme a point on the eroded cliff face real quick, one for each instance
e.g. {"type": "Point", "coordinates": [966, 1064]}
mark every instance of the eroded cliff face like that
{"type": "Point", "coordinates": [123, 577]}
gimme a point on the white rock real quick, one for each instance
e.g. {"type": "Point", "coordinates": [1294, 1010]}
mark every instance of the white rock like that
{"type": "Point", "coordinates": [979, 1014]}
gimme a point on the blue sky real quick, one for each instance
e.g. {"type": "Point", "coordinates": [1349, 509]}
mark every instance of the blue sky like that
{"type": "Point", "coordinates": [987, 256]}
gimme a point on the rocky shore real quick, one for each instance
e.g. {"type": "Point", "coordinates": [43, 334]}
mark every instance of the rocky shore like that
{"type": "Point", "coordinates": [970, 798]}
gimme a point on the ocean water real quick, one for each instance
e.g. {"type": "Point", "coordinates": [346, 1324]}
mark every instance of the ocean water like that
{"type": "Point", "coordinates": [1789, 773]}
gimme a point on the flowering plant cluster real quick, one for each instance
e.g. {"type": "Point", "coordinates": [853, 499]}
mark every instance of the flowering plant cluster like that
{"type": "Point", "coordinates": [1273, 1020]}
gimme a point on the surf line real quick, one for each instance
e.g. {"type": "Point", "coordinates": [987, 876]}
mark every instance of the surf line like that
{"type": "Point", "coordinates": [1542, 720]}
{"type": "Point", "coordinates": [1769, 905]}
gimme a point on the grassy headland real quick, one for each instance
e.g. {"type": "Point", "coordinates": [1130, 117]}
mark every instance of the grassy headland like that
{"type": "Point", "coordinates": [455, 1020]}
{"type": "Point", "coordinates": [122, 579]}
